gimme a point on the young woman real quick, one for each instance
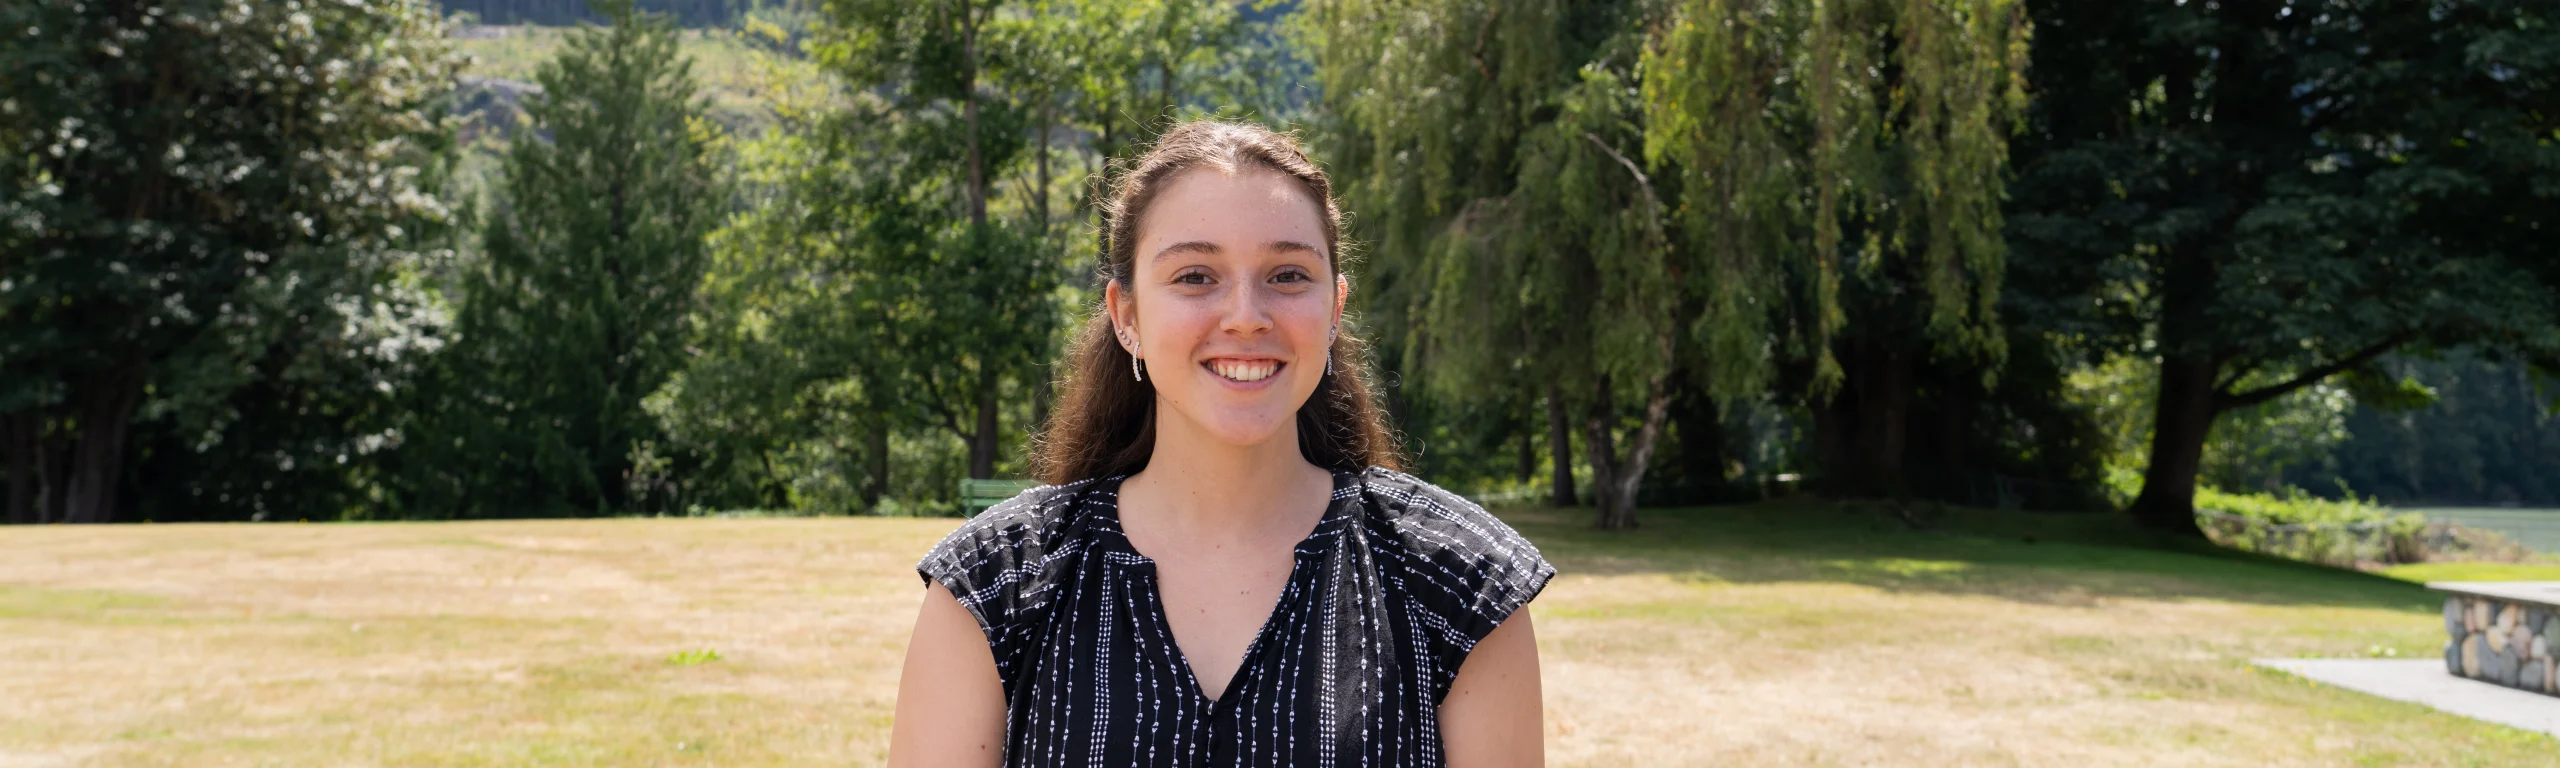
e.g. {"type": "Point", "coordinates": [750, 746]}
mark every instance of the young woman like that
{"type": "Point", "coordinates": [1227, 567]}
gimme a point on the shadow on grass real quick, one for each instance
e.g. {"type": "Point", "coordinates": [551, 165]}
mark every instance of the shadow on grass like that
{"type": "Point", "coordinates": [2034, 558]}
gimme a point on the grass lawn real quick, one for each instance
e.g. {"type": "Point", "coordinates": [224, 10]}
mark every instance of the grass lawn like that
{"type": "Point", "coordinates": [1783, 633]}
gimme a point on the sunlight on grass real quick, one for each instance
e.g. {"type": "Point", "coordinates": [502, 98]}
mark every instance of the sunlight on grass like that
{"type": "Point", "coordinates": [1753, 635]}
{"type": "Point", "coordinates": [692, 657]}
{"type": "Point", "coordinates": [2426, 572]}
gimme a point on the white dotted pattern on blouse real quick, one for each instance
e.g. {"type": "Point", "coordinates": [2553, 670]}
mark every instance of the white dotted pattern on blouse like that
{"type": "Point", "coordinates": [1387, 596]}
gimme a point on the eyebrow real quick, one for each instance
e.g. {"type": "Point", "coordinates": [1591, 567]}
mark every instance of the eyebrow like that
{"type": "Point", "coordinates": [1205, 247]}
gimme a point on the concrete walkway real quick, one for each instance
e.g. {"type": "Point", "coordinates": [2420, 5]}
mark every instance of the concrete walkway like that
{"type": "Point", "coordinates": [2424, 681]}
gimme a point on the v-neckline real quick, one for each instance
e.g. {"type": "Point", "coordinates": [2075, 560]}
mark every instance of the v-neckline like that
{"type": "Point", "coordinates": [1279, 603]}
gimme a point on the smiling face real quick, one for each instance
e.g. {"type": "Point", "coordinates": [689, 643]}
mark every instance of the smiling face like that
{"type": "Point", "coordinates": [1230, 299]}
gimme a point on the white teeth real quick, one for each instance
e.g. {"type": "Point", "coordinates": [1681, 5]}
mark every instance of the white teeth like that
{"type": "Point", "coordinates": [1237, 371]}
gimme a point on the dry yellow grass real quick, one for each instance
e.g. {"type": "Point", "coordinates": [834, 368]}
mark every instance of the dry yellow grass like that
{"type": "Point", "coordinates": [1780, 634]}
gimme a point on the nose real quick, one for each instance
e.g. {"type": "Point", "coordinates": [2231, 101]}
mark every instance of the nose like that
{"type": "Point", "coordinates": [1243, 313]}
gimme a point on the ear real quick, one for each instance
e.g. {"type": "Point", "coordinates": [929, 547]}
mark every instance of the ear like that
{"type": "Point", "coordinates": [1123, 314]}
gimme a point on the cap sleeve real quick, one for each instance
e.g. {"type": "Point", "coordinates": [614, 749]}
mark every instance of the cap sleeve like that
{"type": "Point", "coordinates": [999, 566]}
{"type": "Point", "coordinates": [1465, 567]}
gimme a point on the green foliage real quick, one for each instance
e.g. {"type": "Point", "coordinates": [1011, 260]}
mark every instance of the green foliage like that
{"type": "Point", "coordinates": [1892, 118]}
{"type": "Point", "coordinates": [687, 658]}
{"type": "Point", "coordinates": [212, 217]}
{"type": "Point", "coordinates": [1493, 147]}
{"type": "Point", "coordinates": [2486, 437]}
{"type": "Point", "coordinates": [2304, 527]}
{"type": "Point", "coordinates": [592, 260]}
{"type": "Point", "coordinates": [2247, 188]}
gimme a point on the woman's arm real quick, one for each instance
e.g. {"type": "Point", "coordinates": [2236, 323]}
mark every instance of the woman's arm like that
{"type": "Point", "coordinates": [950, 704]}
{"type": "Point", "coordinates": [1493, 716]}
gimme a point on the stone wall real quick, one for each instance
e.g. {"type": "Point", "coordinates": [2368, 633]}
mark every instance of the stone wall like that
{"type": "Point", "coordinates": [2502, 641]}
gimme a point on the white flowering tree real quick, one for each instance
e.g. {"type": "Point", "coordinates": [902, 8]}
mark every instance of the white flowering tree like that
{"type": "Point", "coordinates": [211, 218]}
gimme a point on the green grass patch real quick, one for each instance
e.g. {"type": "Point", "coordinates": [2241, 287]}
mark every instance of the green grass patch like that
{"type": "Point", "coordinates": [724, 65]}
{"type": "Point", "coordinates": [2426, 572]}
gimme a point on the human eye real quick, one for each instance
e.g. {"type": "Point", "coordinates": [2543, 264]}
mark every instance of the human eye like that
{"type": "Point", "coordinates": [1292, 276]}
{"type": "Point", "coordinates": [1193, 277]}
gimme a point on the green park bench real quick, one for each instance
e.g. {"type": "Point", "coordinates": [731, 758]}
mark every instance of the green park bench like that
{"type": "Point", "coordinates": [978, 494]}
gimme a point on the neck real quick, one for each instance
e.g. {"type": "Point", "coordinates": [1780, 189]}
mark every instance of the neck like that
{"type": "Point", "coordinates": [1207, 487]}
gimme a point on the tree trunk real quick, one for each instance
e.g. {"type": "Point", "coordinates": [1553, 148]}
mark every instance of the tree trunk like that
{"type": "Point", "coordinates": [1599, 446]}
{"type": "Point", "coordinates": [1040, 184]}
{"type": "Point", "coordinates": [1832, 419]}
{"type": "Point", "coordinates": [1955, 417]}
{"type": "Point", "coordinates": [1616, 481]}
{"type": "Point", "coordinates": [53, 474]}
{"type": "Point", "coordinates": [2179, 427]}
{"type": "Point", "coordinates": [982, 445]}
{"type": "Point", "coordinates": [19, 449]}
{"type": "Point", "coordinates": [876, 448]}
{"type": "Point", "coordinates": [1883, 401]}
{"type": "Point", "coordinates": [1043, 393]}
{"type": "Point", "coordinates": [969, 111]}
{"type": "Point", "coordinates": [1527, 436]}
{"type": "Point", "coordinates": [1560, 446]}
{"type": "Point", "coordinates": [1700, 423]}
{"type": "Point", "coordinates": [97, 458]}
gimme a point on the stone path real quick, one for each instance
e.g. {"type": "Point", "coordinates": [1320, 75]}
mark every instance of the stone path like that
{"type": "Point", "coordinates": [2424, 681]}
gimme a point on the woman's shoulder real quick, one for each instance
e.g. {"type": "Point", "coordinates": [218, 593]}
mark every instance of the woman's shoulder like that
{"type": "Point", "coordinates": [1412, 503]}
{"type": "Point", "coordinates": [1434, 521]}
{"type": "Point", "coordinates": [1038, 518]}
{"type": "Point", "coordinates": [1475, 568]}
{"type": "Point", "coordinates": [998, 563]}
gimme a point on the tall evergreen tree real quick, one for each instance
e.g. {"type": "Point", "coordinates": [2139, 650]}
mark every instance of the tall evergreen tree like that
{"type": "Point", "coordinates": [594, 254]}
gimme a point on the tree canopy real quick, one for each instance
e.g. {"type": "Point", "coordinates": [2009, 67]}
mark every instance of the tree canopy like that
{"type": "Point", "coordinates": [2267, 197]}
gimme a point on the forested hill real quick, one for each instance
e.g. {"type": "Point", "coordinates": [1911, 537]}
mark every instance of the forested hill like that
{"type": "Point", "coordinates": [689, 13]}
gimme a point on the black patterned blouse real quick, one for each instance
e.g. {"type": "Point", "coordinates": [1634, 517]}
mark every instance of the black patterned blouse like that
{"type": "Point", "coordinates": [1389, 593]}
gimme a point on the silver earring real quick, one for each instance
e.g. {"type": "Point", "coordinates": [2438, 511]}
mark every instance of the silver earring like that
{"type": "Point", "coordinates": [1328, 350]}
{"type": "Point", "coordinates": [1133, 362]}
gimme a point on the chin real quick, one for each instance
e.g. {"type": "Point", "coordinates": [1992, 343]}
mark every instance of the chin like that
{"type": "Point", "coordinates": [1219, 417]}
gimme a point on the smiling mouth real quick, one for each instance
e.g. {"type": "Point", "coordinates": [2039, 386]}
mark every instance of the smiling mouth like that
{"type": "Point", "coordinates": [1243, 371]}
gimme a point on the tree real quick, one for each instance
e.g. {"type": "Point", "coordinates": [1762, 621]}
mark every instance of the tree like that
{"type": "Point", "coordinates": [195, 198]}
{"type": "Point", "coordinates": [1628, 201]}
{"type": "Point", "coordinates": [1856, 177]}
{"type": "Point", "coordinates": [593, 257]}
{"type": "Point", "coordinates": [973, 295]}
{"type": "Point", "coordinates": [2265, 196]}
{"type": "Point", "coordinates": [1434, 115]}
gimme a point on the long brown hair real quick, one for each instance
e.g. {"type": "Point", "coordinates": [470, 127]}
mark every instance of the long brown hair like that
{"type": "Point", "coordinates": [1105, 423]}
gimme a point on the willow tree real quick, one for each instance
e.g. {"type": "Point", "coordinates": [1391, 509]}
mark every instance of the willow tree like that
{"type": "Point", "coordinates": [1446, 122]}
{"type": "Point", "coordinates": [1845, 161]}
{"type": "Point", "coordinates": [1611, 201]}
